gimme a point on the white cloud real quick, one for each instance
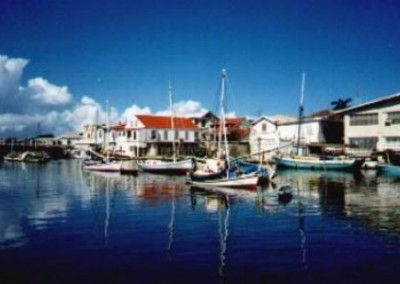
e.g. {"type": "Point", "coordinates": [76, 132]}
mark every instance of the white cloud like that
{"type": "Point", "coordinates": [10, 74]}
{"type": "Point", "coordinates": [132, 110]}
{"type": "Point", "coordinates": [11, 70]}
{"type": "Point", "coordinates": [185, 108]}
{"type": "Point", "coordinates": [46, 93]}
{"type": "Point", "coordinates": [23, 109]}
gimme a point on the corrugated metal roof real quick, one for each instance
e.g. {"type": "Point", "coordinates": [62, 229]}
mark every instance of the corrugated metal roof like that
{"type": "Point", "coordinates": [153, 121]}
{"type": "Point", "coordinates": [369, 104]}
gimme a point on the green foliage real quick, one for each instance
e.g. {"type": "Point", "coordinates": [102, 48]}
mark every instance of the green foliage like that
{"type": "Point", "coordinates": [341, 103]}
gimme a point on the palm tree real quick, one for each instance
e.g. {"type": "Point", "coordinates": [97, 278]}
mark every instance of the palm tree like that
{"type": "Point", "coordinates": [341, 103]}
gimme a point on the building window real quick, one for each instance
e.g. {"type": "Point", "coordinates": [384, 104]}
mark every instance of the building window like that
{"type": "Point", "coordinates": [196, 135]}
{"type": "Point", "coordinates": [129, 134]}
{"type": "Point", "coordinates": [165, 135]}
{"type": "Point", "coordinates": [264, 127]}
{"type": "Point", "coordinates": [176, 134]}
{"type": "Point", "coordinates": [134, 135]}
{"type": "Point", "coordinates": [153, 135]}
{"type": "Point", "coordinates": [394, 117]}
{"type": "Point", "coordinates": [364, 119]}
{"type": "Point", "coordinates": [392, 139]}
{"type": "Point", "coordinates": [364, 142]}
{"type": "Point", "coordinates": [186, 135]}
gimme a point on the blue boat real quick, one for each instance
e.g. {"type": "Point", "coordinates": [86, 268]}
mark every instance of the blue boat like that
{"type": "Point", "coordinates": [389, 169]}
{"type": "Point", "coordinates": [315, 163]}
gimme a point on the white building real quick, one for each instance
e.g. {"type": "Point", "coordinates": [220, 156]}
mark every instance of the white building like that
{"type": "Point", "coordinates": [318, 130]}
{"type": "Point", "coordinates": [374, 124]}
{"type": "Point", "coordinates": [92, 136]}
{"type": "Point", "coordinates": [152, 135]}
{"type": "Point", "coordinates": [69, 139]}
{"type": "Point", "coordinates": [263, 138]}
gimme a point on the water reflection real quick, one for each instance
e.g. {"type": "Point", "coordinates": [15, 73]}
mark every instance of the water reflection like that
{"type": "Point", "coordinates": [219, 204]}
{"type": "Point", "coordinates": [29, 202]}
{"type": "Point", "coordinates": [157, 228]}
{"type": "Point", "coordinates": [377, 206]}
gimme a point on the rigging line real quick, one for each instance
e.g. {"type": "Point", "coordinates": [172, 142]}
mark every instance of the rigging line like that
{"type": "Point", "coordinates": [216, 103]}
{"type": "Point", "coordinates": [172, 121]}
{"type": "Point", "coordinates": [230, 91]}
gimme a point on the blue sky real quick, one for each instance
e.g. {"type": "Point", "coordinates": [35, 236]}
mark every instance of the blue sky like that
{"type": "Point", "coordinates": [126, 51]}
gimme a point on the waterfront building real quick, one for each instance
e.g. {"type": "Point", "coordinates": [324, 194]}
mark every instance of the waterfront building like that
{"type": "Point", "coordinates": [373, 125]}
{"type": "Point", "coordinates": [237, 133]}
{"type": "Point", "coordinates": [319, 128]}
{"type": "Point", "coordinates": [204, 121]}
{"type": "Point", "coordinates": [263, 137]}
{"type": "Point", "coordinates": [69, 139]}
{"type": "Point", "coordinates": [154, 136]}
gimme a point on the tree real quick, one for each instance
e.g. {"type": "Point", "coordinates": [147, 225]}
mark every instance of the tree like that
{"type": "Point", "coordinates": [341, 103]}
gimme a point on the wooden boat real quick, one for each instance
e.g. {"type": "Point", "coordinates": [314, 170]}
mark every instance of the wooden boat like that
{"type": "Point", "coordinates": [316, 163]}
{"type": "Point", "coordinates": [309, 162]}
{"type": "Point", "coordinates": [181, 167]}
{"type": "Point", "coordinates": [104, 167]}
{"type": "Point", "coordinates": [247, 181]}
{"type": "Point", "coordinates": [221, 166]}
{"type": "Point", "coordinates": [28, 157]}
{"type": "Point", "coordinates": [174, 167]}
{"type": "Point", "coordinates": [13, 157]}
{"type": "Point", "coordinates": [211, 169]}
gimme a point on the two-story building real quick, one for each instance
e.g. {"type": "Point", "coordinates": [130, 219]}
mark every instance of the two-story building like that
{"type": "Point", "coordinates": [315, 132]}
{"type": "Point", "coordinates": [263, 138]}
{"type": "Point", "coordinates": [152, 135]}
{"type": "Point", "coordinates": [374, 125]}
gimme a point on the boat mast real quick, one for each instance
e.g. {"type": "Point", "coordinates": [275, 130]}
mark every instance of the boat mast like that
{"type": "Point", "coordinates": [222, 123]}
{"type": "Point", "coordinates": [172, 121]}
{"type": "Point", "coordinates": [301, 109]}
{"type": "Point", "coordinates": [107, 132]}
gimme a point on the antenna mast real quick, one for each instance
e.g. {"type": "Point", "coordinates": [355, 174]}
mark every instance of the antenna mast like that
{"type": "Point", "coordinates": [172, 121]}
{"type": "Point", "coordinates": [301, 109]}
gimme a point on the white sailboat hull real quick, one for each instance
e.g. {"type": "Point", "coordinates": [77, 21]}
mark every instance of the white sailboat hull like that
{"type": "Point", "coordinates": [104, 167]}
{"type": "Point", "coordinates": [248, 181]}
{"type": "Point", "coordinates": [167, 167]}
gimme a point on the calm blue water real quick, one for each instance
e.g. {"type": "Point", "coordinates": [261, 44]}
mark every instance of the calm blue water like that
{"type": "Point", "coordinates": [59, 224]}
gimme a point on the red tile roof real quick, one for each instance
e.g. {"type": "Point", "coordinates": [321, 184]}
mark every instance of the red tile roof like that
{"type": "Point", "coordinates": [153, 121]}
{"type": "Point", "coordinates": [118, 127]}
{"type": "Point", "coordinates": [230, 122]}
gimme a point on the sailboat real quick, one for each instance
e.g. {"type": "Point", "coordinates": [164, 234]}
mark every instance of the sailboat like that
{"type": "Point", "coordinates": [173, 167]}
{"type": "Point", "coordinates": [310, 162]}
{"type": "Point", "coordinates": [223, 176]}
{"type": "Point", "coordinates": [218, 167]}
{"type": "Point", "coordinates": [105, 165]}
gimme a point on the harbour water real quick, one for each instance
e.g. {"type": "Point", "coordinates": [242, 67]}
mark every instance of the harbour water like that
{"type": "Point", "coordinates": [60, 224]}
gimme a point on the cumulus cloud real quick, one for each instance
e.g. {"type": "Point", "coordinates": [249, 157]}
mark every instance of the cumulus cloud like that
{"type": "Point", "coordinates": [42, 104]}
{"type": "Point", "coordinates": [132, 110]}
{"type": "Point", "coordinates": [11, 70]}
{"type": "Point", "coordinates": [46, 93]}
{"type": "Point", "coordinates": [26, 108]}
{"type": "Point", "coordinates": [185, 108]}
